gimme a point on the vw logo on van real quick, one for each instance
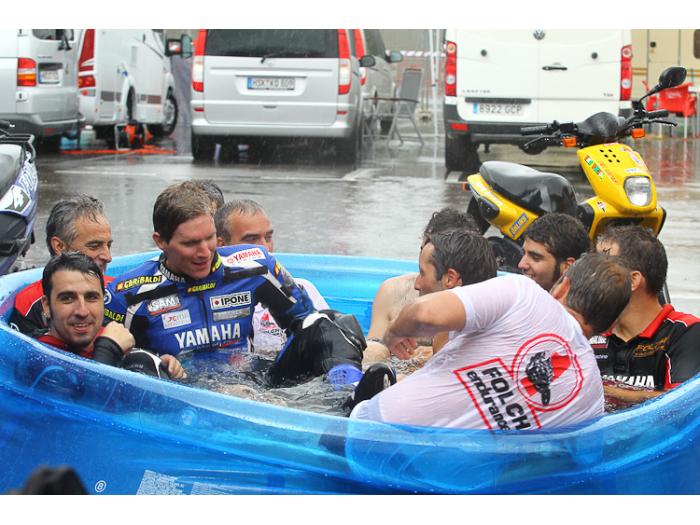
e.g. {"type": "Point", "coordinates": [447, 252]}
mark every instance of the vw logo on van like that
{"type": "Point", "coordinates": [539, 34]}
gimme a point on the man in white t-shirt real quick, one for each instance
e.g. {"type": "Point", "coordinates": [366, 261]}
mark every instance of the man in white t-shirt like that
{"type": "Point", "coordinates": [245, 222]}
{"type": "Point", "coordinates": [517, 357]}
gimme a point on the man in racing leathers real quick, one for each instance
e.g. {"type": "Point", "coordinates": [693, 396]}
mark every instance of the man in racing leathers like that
{"type": "Point", "coordinates": [246, 222]}
{"type": "Point", "coordinates": [197, 298]}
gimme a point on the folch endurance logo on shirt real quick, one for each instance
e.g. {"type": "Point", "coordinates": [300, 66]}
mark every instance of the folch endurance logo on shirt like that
{"type": "Point", "coordinates": [545, 376]}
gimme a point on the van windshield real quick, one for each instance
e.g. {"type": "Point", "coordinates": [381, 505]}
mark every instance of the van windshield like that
{"type": "Point", "coordinates": [283, 43]}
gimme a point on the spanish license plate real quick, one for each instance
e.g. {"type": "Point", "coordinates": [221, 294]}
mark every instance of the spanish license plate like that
{"type": "Point", "coordinates": [271, 83]}
{"type": "Point", "coordinates": [505, 109]}
{"type": "Point", "coordinates": [48, 76]}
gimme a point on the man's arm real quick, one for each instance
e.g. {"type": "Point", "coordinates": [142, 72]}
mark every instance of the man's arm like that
{"type": "Point", "coordinates": [385, 301]}
{"type": "Point", "coordinates": [426, 316]}
{"type": "Point", "coordinates": [282, 296]}
{"type": "Point", "coordinates": [111, 345]}
{"type": "Point", "coordinates": [630, 396]}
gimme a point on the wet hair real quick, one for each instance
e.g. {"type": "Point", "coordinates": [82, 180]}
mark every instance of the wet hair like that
{"type": "Point", "coordinates": [563, 235]}
{"type": "Point", "coordinates": [465, 251]}
{"type": "Point", "coordinates": [72, 262]}
{"type": "Point", "coordinates": [214, 192]}
{"type": "Point", "coordinates": [209, 187]}
{"type": "Point", "coordinates": [449, 219]}
{"type": "Point", "coordinates": [176, 204]}
{"type": "Point", "coordinates": [245, 207]}
{"type": "Point", "coordinates": [65, 213]}
{"type": "Point", "coordinates": [600, 288]}
{"type": "Point", "coordinates": [642, 251]}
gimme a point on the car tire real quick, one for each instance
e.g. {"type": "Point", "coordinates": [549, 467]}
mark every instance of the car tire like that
{"type": "Point", "coordinates": [50, 144]}
{"type": "Point", "coordinates": [203, 148]}
{"type": "Point", "coordinates": [461, 154]}
{"type": "Point", "coordinates": [347, 150]}
{"type": "Point", "coordinates": [170, 112]}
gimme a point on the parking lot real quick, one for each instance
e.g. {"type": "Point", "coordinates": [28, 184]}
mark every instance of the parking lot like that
{"type": "Point", "coordinates": [376, 208]}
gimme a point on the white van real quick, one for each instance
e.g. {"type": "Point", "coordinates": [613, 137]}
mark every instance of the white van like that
{"type": "Point", "coordinates": [38, 82]}
{"type": "Point", "coordinates": [498, 81]}
{"type": "Point", "coordinates": [124, 77]}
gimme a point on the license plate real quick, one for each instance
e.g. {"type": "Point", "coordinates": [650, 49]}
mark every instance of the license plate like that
{"type": "Point", "coordinates": [514, 110]}
{"type": "Point", "coordinates": [271, 83]}
{"type": "Point", "coordinates": [48, 76]}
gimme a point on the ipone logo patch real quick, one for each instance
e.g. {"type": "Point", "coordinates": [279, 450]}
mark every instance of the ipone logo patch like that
{"type": "Point", "coordinates": [220, 302]}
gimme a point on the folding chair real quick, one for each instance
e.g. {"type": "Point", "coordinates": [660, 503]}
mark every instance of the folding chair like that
{"type": "Point", "coordinates": [402, 106]}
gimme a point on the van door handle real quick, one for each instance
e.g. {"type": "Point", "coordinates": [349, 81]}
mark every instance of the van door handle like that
{"type": "Point", "coordinates": [555, 68]}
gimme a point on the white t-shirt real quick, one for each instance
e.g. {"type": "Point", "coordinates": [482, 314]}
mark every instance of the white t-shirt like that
{"type": "Point", "coordinates": [270, 337]}
{"type": "Point", "coordinates": [484, 377]}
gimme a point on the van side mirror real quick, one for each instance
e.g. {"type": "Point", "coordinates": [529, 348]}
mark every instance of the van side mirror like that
{"type": "Point", "coordinates": [368, 61]}
{"type": "Point", "coordinates": [179, 46]}
{"type": "Point", "coordinates": [394, 56]}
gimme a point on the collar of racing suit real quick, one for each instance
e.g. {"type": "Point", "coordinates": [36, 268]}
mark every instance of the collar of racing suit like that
{"type": "Point", "coordinates": [179, 278]}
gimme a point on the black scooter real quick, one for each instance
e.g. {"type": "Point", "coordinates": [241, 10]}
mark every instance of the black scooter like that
{"type": "Point", "coordinates": [18, 195]}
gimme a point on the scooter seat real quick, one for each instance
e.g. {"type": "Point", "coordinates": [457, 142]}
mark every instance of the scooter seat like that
{"type": "Point", "coordinates": [10, 163]}
{"type": "Point", "coordinates": [537, 191]}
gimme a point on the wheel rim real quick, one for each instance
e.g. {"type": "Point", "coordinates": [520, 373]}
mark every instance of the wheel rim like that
{"type": "Point", "coordinates": [169, 112]}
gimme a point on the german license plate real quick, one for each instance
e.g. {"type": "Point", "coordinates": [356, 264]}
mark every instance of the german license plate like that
{"type": "Point", "coordinates": [48, 76]}
{"type": "Point", "coordinates": [271, 83]}
{"type": "Point", "coordinates": [482, 108]}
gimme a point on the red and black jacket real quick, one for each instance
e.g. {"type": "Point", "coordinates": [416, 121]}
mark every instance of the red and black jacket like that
{"type": "Point", "coordinates": [663, 355]}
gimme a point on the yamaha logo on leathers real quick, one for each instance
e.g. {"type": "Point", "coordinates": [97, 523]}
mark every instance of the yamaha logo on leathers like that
{"type": "Point", "coordinates": [220, 335]}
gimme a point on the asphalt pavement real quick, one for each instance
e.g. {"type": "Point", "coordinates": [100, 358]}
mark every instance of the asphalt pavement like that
{"type": "Point", "coordinates": [377, 207]}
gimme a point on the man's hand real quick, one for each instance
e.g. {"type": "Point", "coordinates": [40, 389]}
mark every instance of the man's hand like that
{"type": "Point", "coordinates": [401, 347]}
{"type": "Point", "coordinates": [174, 367]}
{"type": "Point", "coordinates": [120, 335]}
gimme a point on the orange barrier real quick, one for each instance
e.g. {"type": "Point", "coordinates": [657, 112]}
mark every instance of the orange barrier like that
{"type": "Point", "coordinates": [147, 149]}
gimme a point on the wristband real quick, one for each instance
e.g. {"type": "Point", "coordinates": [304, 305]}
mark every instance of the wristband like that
{"type": "Point", "coordinates": [375, 340]}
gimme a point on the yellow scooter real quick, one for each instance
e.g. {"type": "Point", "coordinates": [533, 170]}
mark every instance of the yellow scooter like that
{"type": "Point", "coordinates": [511, 196]}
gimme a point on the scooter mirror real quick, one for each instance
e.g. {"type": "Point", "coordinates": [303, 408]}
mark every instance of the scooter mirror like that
{"type": "Point", "coordinates": [672, 77]}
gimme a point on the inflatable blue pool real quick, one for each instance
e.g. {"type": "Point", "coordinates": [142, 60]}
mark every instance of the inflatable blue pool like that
{"type": "Point", "coordinates": [125, 433]}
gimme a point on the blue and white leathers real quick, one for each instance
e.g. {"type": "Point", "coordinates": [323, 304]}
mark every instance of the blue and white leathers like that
{"type": "Point", "coordinates": [170, 313]}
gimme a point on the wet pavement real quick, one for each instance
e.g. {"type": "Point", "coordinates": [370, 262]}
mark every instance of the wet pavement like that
{"type": "Point", "coordinates": [377, 207]}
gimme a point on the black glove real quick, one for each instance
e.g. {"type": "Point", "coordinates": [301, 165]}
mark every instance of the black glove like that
{"type": "Point", "coordinates": [323, 340]}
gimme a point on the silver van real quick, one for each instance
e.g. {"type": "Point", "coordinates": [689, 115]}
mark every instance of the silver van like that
{"type": "Point", "coordinates": [38, 82]}
{"type": "Point", "coordinates": [252, 84]}
{"type": "Point", "coordinates": [377, 80]}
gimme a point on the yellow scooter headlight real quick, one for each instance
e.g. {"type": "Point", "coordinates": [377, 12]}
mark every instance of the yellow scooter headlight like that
{"type": "Point", "coordinates": [638, 190]}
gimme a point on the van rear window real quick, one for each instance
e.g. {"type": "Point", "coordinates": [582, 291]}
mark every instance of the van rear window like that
{"type": "Point", "coordinates": [283, 43]}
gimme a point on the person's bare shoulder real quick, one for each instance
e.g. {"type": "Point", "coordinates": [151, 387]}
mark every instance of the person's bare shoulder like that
{"type": "Point", "coordinates": [399, 291]}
